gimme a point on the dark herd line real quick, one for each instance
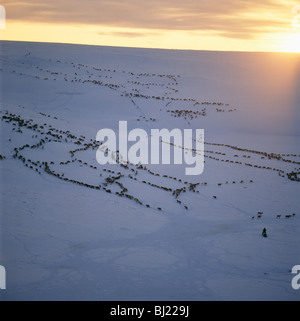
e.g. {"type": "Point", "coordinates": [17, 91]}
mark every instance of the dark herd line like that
{"type": "Point", "coordinates": [278, 216]}
{"type": "Point", "coordinates": [293, 175]}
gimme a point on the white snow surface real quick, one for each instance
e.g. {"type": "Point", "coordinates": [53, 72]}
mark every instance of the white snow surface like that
{"type": "Point", "coordinates": [69, 236]}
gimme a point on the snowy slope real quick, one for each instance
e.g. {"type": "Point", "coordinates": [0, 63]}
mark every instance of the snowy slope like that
{"type": "Point", "coordinates": [73, 229]}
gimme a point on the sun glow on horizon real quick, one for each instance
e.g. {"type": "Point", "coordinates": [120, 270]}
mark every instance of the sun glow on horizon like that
{"type": "Point", "coordinates": [132, 37]}
{"type": "Point", "coordinates": [241, 29]}
{"type": "Point", "coordinates": [291, 43]}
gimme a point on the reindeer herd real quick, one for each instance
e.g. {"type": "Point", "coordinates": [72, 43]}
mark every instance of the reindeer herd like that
{"type": "Point", "coordinates": [46, 133]}
{"type": "Point", "coordinates": [259, 215]}
{"type": "Point", "coordinates": [163, 90]}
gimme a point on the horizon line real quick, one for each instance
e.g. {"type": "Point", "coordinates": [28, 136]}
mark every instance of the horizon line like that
{"type": "Point", "coordinates": [149, 48]}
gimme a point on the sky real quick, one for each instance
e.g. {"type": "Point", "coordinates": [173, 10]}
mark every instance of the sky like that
{"type": "Point", "coordinates": [245, 25]}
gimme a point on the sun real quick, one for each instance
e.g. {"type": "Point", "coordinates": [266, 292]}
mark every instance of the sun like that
{"type": "Point", "coordinates": [291, 43]}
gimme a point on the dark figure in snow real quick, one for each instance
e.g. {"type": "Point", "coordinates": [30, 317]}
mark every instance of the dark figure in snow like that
{"type": "Point", "coordinates": [264, 232]}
